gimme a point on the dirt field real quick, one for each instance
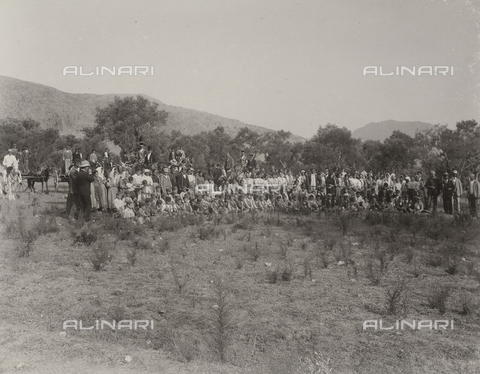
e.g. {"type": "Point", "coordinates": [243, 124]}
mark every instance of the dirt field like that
{"type": "Point", "coordinates": [258, 293]}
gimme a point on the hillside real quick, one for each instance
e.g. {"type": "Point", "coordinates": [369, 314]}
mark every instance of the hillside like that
{"type": "Point", "coordinates": [382, 130]}
{"type": "Point", "coordinates": [71, 112]}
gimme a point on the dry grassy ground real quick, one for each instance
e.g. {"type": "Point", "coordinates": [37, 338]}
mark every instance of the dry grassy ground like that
{"type": "Point", "coordinates": [236, 294]}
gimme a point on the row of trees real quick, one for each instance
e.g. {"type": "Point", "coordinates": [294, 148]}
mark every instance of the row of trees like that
{"type": "Point", "coordinates": [130, 120]}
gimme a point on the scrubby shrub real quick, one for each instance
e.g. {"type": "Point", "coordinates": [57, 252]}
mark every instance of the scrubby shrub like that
{"type": "Point", "coordinates": [286, 273]}
{"type": "Point", "coordinates": [26, 245]}
{"type": "Point", "coordinates": [46, 226]}
{"type": "Point", "coordinates": [117, 313]}
{"type": "Point", "coordinates": [344, 222]}
{"type": "Point", "coordinates": [283, 250]}
{"type": "Point", "coordinates": [132, 255]}
{"type": "Point", "coordinates": [164, 245]}
{"type": "Point", "coordinates": [239, 263]}
{"type": "Point", "coordinates": [141, 243]}
{"type": "Point", "coordinates": [208, 232]}
{"type": "Point", "coordinates": [169, 223]}
{"type": "Point", "coordinates": [272, 275]}
{"type": "Point", "coordinates": [397, 298]}
{"type": "Point", "coordinates": [86, 237]}
{"type": "Point", "coordinates": [101, 255]}
{"type": "Point", "coordinates": [437, 298]}
{"type": "Point", "coordinates": [307, 268]}
{"type": "Point", "coordinates": [253, 251]}
{"type": "Point", "coordinates": [245, 223]}
{"type": "Point", "coordinates": [221, 321]}
{"type": "Point", "coordinates": [180, 278]}
{"type": "Point", "coordinates": [344, 253]}
{"type": "Point", "coordinates": [322, 257]}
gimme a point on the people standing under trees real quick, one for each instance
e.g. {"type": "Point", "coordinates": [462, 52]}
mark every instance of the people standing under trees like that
{"type": "Point", "coordinates": [421, 188]}
{"type": "Point", "coordinates": [84, 180]}
{"type": "Point", "coordinates": [229, 164]}
{"type": "Point", "coordinates": [331, 184]}
{"type": "Point", "coordinates": [447, 191]}
{"type": "Point", "coordinates": [99, 190]}
{"type": "Point", "coordinates": [77, 157]}
{"type": "Point", "coordinates": [181, 180]}
{"type": "Point", "coordinates": [24, 161]}
{"type": "Point", "coordinates": [93, 157]}
{"type": "Point", "coordinates": [473, 193]}
{"type": "Point", "coordinates": [173, 178]}
{"type": "Point", "coordinates": [149, 159]}
{"type": "Point", "coordinates": [15, 151]}
{"type": "Point", "coordinates": [10, 161]}
{"type": "Point", "coordinates": [72, 197]}
{"type": "Point", "coordinates": [112, 186]}
{"type": "Point", "coordinates": [180, 155]}
{"type": "Point", "coordinates": [141, 152]}
{"type": "Point", "coordinates": [251, 163]}
{"type": "Point", "coordinates": [217, 174]}
{"type": "Point", "coordinates": [434, 187]}
{"type": "Point", "coordinates": [165, 181]}
{"type": "Point", "coordinates": [191, 178]}
{"type": "Point", "coordinates": [67, 158]}
{"type": "Point", "coordinates": [457, 192]}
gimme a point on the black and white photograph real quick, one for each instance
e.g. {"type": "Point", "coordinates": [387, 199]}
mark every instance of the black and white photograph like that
{"type": "Point", "coordinates": [229, 187]}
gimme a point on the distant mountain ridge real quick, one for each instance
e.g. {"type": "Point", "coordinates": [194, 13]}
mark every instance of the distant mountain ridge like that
{"type": "Point", "coordinates": [382, 130]}
{"type": "Point", "coordinates": [70, 113]}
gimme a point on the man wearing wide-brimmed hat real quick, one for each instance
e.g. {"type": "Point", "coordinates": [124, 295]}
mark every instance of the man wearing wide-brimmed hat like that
{"type": "Point", "coordinates": [83, 181]}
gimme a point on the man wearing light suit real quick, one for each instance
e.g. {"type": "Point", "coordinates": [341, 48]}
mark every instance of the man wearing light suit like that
{"type": "Point", "coordinates": [473, 193]}
{"type": "Point", "coordinates": [457, 192]}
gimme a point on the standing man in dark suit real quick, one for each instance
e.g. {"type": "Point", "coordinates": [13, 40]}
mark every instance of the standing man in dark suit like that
{"type": "Point", "coordinates": [84, 178]}
{"type": "Point", "coordinates": [217, 174]}
{"type": "Point", "coordinates": [72, 198]}
{"type": "Point", "coordinates": [251, 163]}
{"type": "Point", "coordinates": [447, 191]}
{"type": "Point", "coordinates": [149, 158]}
{"type": "Point", "coordinates": [434, 187]}
{"type": "Point", "coordinates": [76, 158]}
{"type": "Point", "coordinates": [331, 184]}
{"type": "Point", "coordinates": [182, 181]}
{"type": "Point", "coordinates": [173, 178]}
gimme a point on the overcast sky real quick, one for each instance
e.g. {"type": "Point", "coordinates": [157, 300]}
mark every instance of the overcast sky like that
{"type": "Point", "coordinates": [281, 64]}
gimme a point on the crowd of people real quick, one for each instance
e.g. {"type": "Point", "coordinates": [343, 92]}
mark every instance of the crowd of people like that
{"type": "Point", "coordinates": [141, 188]}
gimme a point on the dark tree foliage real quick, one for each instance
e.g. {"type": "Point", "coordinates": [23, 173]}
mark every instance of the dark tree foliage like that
{"type": "Point", "coordinates": [442, 148]}
{"type": "Point", "coordinates": [126, 121]}
{"type": "Point", "coordinates": [333, 148]}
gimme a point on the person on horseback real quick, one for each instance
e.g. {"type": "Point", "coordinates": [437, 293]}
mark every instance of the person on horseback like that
{"type": "Point", "coordinates": [10, 161]}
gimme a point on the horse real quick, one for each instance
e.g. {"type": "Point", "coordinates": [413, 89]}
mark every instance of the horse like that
{"type": "Point", "coordinates": [41, 177]}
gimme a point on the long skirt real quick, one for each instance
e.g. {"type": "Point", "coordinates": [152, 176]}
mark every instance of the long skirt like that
{"type": "Point", "coordinates": [95, 204]}
{"type": "Point", "coordinates": [112, 193]}
{"type": "Point", "coordinates": [100, 194]}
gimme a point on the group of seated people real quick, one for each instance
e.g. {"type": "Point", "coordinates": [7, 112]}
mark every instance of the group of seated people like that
{"type": "Point", "coordinates": [140, 194]}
